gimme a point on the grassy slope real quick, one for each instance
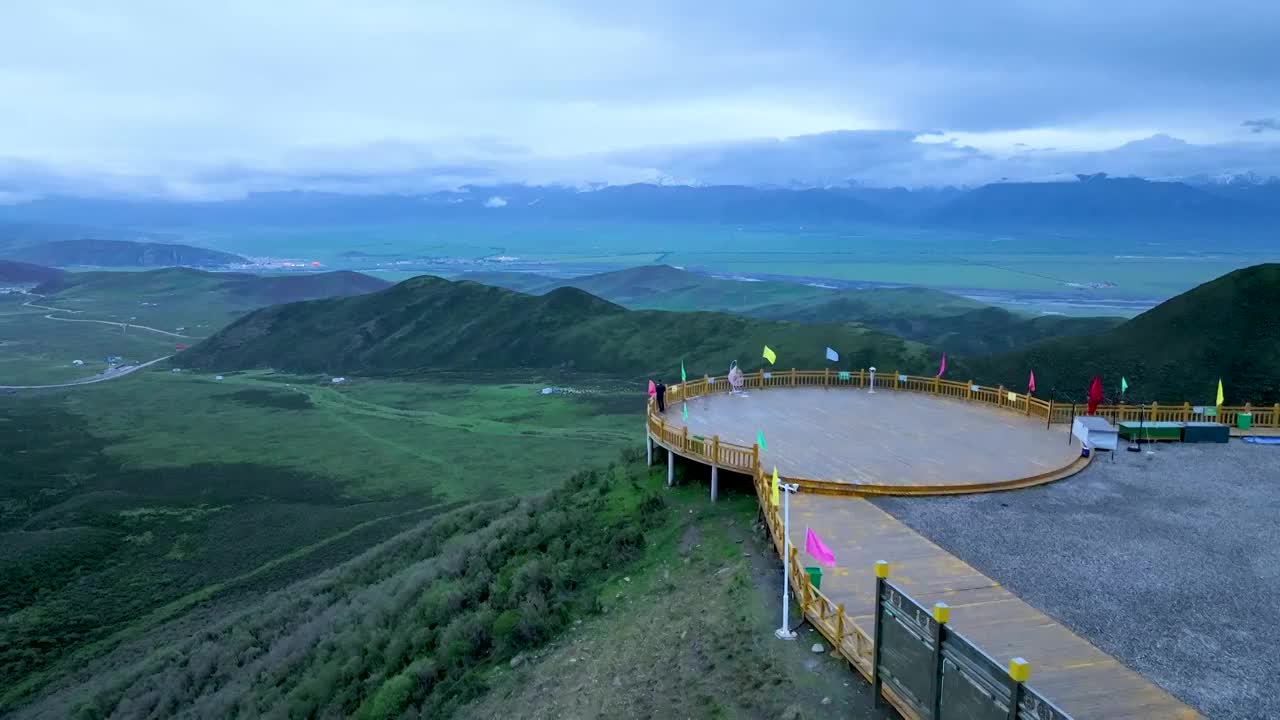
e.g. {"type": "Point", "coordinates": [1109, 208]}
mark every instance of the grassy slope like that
{"type": "Point", "coordinates": [160, 491]}
{"type": "Point", "coordinates": [200, 301]}
{"type": "Point", "coordinates": [687, 633]}
{"type": "Point", "coordinates": [1227, 328]}
{"type": "Point", "coordinates": [607, 586]}
{"type": "Point", "coordinates": [413, 622]}
{"type": "Point", "coordinates": [427, 322]}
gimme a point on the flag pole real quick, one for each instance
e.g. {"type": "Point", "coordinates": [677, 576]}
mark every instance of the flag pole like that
{"type": "Point", "coordinates": [784, 631]}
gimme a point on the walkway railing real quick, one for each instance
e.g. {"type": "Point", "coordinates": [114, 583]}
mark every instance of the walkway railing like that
{"type": "Point", "coordinates": [919, 696]}
{"type": "Point", "coordinates": [916, 694]}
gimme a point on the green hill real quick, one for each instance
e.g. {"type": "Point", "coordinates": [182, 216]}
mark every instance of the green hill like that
{"type": "Point", "coordinates": [662, 287]}
{"type": "Point", "coordinates": [939, 319]}
{"type": "Point", "coordinates": [1228, 328]}
{"type": "Point", "coordinates": [973, 332]}
{"type": "Point", "coordinates": [26, 274]}
{"type": "Point", "coordinates": [120, 253]}
{"type": "Point", "coordinates": [429, 323]}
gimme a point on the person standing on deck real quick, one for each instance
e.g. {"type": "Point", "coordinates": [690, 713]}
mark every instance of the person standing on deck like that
{"type": "Point", "coordinates": [662, 396]}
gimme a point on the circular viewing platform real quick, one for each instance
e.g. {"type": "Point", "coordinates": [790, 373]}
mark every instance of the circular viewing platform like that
{"type": "Point", "coordinates": [845, 439]}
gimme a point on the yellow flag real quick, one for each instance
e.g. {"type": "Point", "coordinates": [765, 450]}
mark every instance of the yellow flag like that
{"type": "Point", "coordinates": [774, 494]}
{"type": "Point", "coordinates": [1219, 391]}
{"type": "Point", "coordinates": [770, 355]}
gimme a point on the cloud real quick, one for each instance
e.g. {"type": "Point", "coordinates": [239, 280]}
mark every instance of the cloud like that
{"type": "Point", "coordinates": [495, 202]}
{"type": "Point", "coordinates": [215, 99]}
{"type": "Point", "coordinates": [1262, 124]}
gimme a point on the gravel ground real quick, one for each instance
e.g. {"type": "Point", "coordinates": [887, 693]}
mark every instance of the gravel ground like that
{"type": "Point", "coordinates": [1169, 562]}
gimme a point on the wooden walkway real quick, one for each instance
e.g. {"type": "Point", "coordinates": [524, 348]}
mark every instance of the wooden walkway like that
{"type": "Point", "coordinates": [1079, 678]}
{"type": "Point", "coordinates": [889, 437]}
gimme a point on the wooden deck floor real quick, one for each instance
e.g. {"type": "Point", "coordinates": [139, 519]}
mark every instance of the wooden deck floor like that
{"type": "Point", "coordinates": [1079, 678]}
{"type": "Point", "coordinates": [885, 438]}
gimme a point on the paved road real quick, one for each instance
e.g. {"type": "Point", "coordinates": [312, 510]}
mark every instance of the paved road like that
{"type": "Point", "coordinates": [32, 303]}
{"type": "Point", "coordinates": [119, 324]}
{"type": "Point", "coordinates": [109, 375]}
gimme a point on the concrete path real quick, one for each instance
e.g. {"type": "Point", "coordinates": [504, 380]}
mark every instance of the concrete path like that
{"type": "Point", "coordinates": [1067, 669]}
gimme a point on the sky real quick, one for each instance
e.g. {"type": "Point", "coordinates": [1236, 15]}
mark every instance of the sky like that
{"type": "Point", "coordinates": [206, 100]}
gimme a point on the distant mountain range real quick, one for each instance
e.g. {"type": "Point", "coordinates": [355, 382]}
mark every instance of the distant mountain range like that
{"type": "Point", "coordinates": [1091, 200]}
{"type": "Point", "coordinates": [938, 319]}
{"type": "Point", "coordinates": [119, 253]}
{"type": "Point", "coordinates": [1228, 328]}
{"type": "Point", "coordinates": [1099, 199]}
{"type": "Point", "coordinates": [427, 323]}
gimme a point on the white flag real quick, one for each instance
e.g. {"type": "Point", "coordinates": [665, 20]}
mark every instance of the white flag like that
{"type": "Point", "coordinates": [832, 355]}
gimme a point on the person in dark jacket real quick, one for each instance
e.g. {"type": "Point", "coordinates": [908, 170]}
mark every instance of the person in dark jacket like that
{"type": "Point", "coordinates": [662, 396]}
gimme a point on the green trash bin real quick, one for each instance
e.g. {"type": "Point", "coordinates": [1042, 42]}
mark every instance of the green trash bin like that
{"type": "Point", "coordinates": [815, 577]}
{"type": "Point", "coordinates": [1244, 421]}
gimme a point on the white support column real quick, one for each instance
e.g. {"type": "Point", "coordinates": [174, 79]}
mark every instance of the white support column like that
{"type": "Point", "coordinates": [715, 482]}
{"type": "Point", "coordinates": [648, 447]}
{"type": "Point", "coordinates": [671, 468]}
{"type": "Point", "coordinates": [784, 632]}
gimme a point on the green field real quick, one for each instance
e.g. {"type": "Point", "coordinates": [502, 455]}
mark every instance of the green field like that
{"type": "Point", "coordinates": [35, 350]}
{"type": "Point", "coordinates": [131, 502]}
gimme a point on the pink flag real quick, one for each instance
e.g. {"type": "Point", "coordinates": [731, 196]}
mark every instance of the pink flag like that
{"type": "Point", "coordinates": [943, 367]}
{"type": "Point", "coordinates": [1031, 383]}
{"type": "Point", "coordinates": [814, 547]}
{"type": "Point", "coordinates": [653, 390]}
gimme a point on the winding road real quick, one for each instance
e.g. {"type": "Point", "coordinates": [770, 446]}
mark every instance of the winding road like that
{"type": "Point", "coordinates": [109, 374]}
{"type": "Point", "coordinates": [32, 303]}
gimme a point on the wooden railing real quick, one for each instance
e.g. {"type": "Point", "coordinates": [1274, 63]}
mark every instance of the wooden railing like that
{"type": "Point", "coordinates": [746, 458]}
{"type": "Point", "coordinates": [1021, 403]}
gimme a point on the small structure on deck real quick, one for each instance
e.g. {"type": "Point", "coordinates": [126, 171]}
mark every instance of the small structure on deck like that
{"type": "Point", "coordinates": [1095, 433]}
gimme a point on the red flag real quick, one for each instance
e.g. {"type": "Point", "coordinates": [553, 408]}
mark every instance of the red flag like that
{"type": "Point", "coordinates": [1031, 382]}
{"type": "Point", "coordinates": [943, 367]}
{"type": "Point", "coordinates": [1095, 394]}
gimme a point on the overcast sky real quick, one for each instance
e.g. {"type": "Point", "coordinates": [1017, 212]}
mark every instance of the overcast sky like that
{"type": "Point", "coordinates": [215, 98]}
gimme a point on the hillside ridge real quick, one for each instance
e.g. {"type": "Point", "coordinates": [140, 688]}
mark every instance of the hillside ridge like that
{"type": "Point", "coordinates": [427, 323]}
{"type": "Point", "coordinates": [119, 253]}
{"type": "Point", "coordinates": [1227, 329]}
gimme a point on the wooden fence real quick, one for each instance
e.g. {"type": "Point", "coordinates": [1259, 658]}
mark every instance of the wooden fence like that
{"type": "Point", "coordinates": [742, 458]}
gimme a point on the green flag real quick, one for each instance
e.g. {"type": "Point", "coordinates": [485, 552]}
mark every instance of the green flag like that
{"type": "Point", "coordinates": [760, 439]}
{"type": "Point", "coordinates": [1124, 384]}
{"type": "Point", "coordinates": [682, 375]}
{"type": "Point", "coordinates": [684, 411]}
